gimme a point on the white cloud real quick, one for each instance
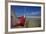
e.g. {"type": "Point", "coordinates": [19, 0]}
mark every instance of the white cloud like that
{"type": "Point", "coordinates": [35, 13]}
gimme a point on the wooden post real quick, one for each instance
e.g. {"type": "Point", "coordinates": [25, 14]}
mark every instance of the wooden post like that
{"type": "Point", "coordinates": [13, 22]}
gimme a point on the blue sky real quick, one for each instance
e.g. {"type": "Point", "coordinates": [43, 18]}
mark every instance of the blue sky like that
{"type": "Point", "coordinates": [27, 10]}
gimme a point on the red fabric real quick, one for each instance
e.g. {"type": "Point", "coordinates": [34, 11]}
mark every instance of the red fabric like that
{"type": "Point", "coordinates": [21, 21]}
